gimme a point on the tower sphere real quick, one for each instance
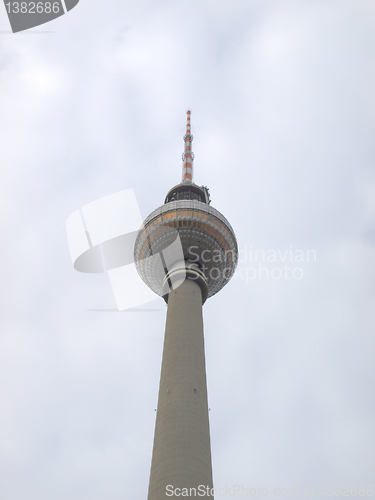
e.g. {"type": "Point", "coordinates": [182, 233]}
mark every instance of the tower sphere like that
{"type": "Point", "coordinates": [207, 239]}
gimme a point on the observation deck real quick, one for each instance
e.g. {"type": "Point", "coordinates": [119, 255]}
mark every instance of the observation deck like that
{"type": "Point", "coordinates": [207, 240]}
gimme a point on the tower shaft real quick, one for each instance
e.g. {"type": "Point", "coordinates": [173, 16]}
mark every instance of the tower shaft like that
{"type": "Point", "coordinates": [182, 451]}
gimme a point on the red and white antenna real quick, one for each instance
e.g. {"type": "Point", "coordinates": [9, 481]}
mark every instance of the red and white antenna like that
{"type": "Point", "coordinates": [187, 155]}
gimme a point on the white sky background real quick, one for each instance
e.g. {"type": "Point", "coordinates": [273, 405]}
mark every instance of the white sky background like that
{"type": "Point", "coordinates": [283, 111]}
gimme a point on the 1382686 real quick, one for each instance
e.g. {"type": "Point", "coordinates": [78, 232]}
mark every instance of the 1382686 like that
{"type": "Point", "coordinates": [33, 7]}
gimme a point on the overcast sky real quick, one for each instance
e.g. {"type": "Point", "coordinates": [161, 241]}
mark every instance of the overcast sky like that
{"type": "Point", "coordinates": [283, 117]}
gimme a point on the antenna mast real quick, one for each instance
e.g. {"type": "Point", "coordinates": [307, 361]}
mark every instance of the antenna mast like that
{"type": "Point", "coordinates": [187, 155]}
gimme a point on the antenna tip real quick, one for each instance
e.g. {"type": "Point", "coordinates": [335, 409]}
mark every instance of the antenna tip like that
{"type": "Point", "coordinates": [188, 111]}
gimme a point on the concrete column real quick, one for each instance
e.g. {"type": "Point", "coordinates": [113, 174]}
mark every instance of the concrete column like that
{"type": "Point", "coordinates": [182, 451]}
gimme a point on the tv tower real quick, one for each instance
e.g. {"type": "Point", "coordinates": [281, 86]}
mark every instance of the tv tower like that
{"type": "Point", "coordinates": [182, 452]}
